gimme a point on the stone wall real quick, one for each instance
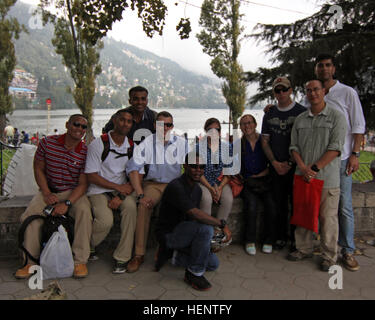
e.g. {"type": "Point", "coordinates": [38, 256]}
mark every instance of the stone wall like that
{"type": "Point", "coordinates": [12, 209]}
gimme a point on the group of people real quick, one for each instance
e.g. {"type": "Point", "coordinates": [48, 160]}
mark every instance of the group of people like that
{"type": "Point", "coordinates": [136, 165]}
{"type": "Point", "coordinates": [13, 136]}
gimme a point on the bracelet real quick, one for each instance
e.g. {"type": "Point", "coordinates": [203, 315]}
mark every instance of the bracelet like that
{"type": "Point", "coordinates": [139, 197]}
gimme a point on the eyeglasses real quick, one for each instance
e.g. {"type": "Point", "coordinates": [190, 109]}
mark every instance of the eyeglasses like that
{"type": "Point", "coordinates": [168, 124]}
{"type": "Point", "coordinates": [77, 125]}
{"type": "Point", "coordinates": [197, 166]}
{"type": "Point", "coordinates": [310, 91]}
{"type": "Point", "coordinates": [283, 90]}
{"type": "Point", "coordinates": [217, 129]}
{"type": "Point", "coordinates": [246, 123]}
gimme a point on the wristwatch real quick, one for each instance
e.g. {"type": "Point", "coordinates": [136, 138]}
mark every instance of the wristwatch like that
{"type": "Point", "coordinates": [357, 154]}
{"type": "Point", "coordinates": [315, 168]}
{"type": "Point", "coordinates": [139, 197]}
{"type": "Point", "coordinates": [223, 223]}
{"type": "Point", "coordinates": [68, 203]}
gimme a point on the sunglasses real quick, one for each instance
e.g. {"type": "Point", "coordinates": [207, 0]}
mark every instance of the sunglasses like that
{"type": "Point", "coordinates": [168, 125]}
{"type": "Point", "coordinates": [77, 125]}
{"type": "Point", "coordinates": [197, 166]}
{"type": "Point", "coordinates": [283, 90]}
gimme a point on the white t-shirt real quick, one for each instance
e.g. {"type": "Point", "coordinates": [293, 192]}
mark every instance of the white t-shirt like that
{"type": "Point", "coordinates": [112, 168]}
{"type": "Point", "coordinates": [345, 99]}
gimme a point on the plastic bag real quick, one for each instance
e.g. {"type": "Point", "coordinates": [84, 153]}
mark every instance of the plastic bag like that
{"type": "Point", "coordinates": [56, 259]}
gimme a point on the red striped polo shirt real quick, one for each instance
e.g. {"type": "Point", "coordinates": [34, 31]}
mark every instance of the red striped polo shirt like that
{"type": "Point", "coordinates": [62, 166]}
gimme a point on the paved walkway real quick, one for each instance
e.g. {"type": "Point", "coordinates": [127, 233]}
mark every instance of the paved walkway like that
{"type": "Point", "coordinates": [239, 277]}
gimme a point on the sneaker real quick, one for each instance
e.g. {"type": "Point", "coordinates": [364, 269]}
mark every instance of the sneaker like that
{"type": "Point", "coordinates": [350, 262]}
{"type": "Point", "coordinates": [267, 248]}
{"type": "Point", "coordinates": [250, 249]}
{"type": "Point", "coordinates": [298, 255]}
{"type": "Point", "coordinates": [280, 244]}
{"type": "Point", "coordinates": [120, 267]}
{"type": "Point", "coordinates": [80, 271]}
{"type": "Point", "coordinates": [325, 265]}
{"type": "Point", "coordinates": [93, 255]}
{"type": "Point", "coordinates": [134, 264]}
{"type": "Point", "coordinates": [23, 273]}
{"type": "Point", "coordinates": [197, 282]}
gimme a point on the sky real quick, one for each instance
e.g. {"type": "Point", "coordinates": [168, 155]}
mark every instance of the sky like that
{"type": "Point", "coordinates": [188, 53]}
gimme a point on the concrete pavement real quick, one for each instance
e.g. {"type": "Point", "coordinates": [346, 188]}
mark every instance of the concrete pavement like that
{"type": "Point", "coordinates": [239, 277]}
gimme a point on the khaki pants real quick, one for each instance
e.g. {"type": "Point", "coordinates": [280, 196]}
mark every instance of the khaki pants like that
{"type": "Point", "coordinates": [329, 227]}
{"type": "Point", "coordinates": [103, 222]}
{"type": "Point", "coordinates": [81, 213]}
{"type": "Point", "coordinates": [226, 201]}
{"type": "Point", "coordinates": [153, 190]}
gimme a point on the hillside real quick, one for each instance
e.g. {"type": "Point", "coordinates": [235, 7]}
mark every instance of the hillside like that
{"type": "Point", "coordinates": [123, 65]}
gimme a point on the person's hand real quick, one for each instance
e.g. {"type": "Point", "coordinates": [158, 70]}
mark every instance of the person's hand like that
{"type": "Point", "coordinates": [114, 203]}
{"type": "Point", "coordinates": [308, 173]}
{"type": "Point", "coordinates": [352, 165]}
{"type": "Point", "coordinates": [146, 202]}
{"type": "Point", "coordinates": [60, 209]}
{"type": "Point", "coordinates": [281, 168]}
{"type": "Point", "coordinates": [228, 233]}
{"type": "Point", "coordinates": [268, 107]}
{"type": "Point", "coordinates": [50, 198]}
{"type": "Point", "coordinates": [213, 191]}
{"type": "Point", "coordinates": [125, 189]}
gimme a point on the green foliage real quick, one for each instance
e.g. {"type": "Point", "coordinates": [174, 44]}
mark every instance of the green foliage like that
{"type": "Point", "coordinates": [292, 48]}
{"type": "Point", "coordinates": [220, 39]}
{"type": "Point", "coordinates": [9, 29]}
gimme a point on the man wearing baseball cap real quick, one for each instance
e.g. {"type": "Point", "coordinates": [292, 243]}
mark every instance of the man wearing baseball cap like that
{"type": "Point", "coordinates": [276, 131]}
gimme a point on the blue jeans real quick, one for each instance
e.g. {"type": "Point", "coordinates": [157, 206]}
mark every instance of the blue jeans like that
{"type": "Point", "coordinates": [346, 214]}
{"type": "Point", "coordinates": [195, 239]}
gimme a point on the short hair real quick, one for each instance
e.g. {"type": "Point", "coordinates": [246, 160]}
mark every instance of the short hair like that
{"type": "Point", "coordinates": [191, 154]}
{"type": "Point", "coordinates": [76, 115]}
{"type": "Point", "coordinates": [127, 110]}
{"type": "Point", "coordinates": [137, 89]}
{"type": "Point", "coordinates": [324, 56]}
{"type": "Point", "coordinates": [210, 121]}
{"type": "Point", "coordinates": [164, 114]}
{"type": "Point", "coordinates": [315, 79]}
{"type": "Point", "coordinates": [248, 115]}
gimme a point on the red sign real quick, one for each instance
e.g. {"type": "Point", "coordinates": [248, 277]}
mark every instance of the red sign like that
{"type": "Point", "coordinates": [48, 101]}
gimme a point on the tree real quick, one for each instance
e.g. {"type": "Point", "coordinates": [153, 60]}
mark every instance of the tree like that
{"type": "Point", "coordinates": [9, 29]}
{"type": "Point", "coordinates": [349, 36]}
{"type": "Point", "coordinates": [80, 26]}
{"type": "Point", "coordinates": [220, 39]}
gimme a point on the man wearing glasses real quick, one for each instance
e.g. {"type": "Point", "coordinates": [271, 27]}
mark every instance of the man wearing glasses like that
{"type": "Point", "coordinates": [182, 226]}
{"type": "Point", "coordinates": [59, 165]}
{"type": "Point", "coordinates": [157, 160]}
{"type": "Point", "coordinates": [316, 144]}
{"type": "Point", "coordinates": [276, 129]}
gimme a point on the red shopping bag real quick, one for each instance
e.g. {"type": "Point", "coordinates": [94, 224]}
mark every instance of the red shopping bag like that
{"type": "Point", "coordinates": [306, 203]}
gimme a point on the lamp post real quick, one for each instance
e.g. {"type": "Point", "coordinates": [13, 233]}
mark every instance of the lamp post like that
{"type": "Point", "coordinates": [48, 102]}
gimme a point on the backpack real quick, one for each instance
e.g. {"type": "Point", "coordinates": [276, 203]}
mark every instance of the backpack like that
{"type": "Point", "coordinates": [107, 150]}
{"type": "Point", "coordinates": [50, 225]}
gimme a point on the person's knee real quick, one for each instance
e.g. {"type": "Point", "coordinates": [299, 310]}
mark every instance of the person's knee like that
{"type": "Point", "coordinates": [205, 231]}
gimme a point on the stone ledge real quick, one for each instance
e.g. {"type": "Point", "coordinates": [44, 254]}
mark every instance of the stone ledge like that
{"type": "Point", "coordinates": [12, 209]}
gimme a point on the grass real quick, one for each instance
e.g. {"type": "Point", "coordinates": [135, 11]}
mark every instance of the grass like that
{"type": "Point", "coordinates": [7, 157]}
{"type": "Point", "coordinates": [364, 174]}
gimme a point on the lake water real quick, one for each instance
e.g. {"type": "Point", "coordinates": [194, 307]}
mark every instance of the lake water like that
{"type": "Point", "coordinates": [185, 120]}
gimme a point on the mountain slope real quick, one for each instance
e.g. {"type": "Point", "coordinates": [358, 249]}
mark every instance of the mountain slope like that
{"type": "Point", "coordinates": [123, 65]}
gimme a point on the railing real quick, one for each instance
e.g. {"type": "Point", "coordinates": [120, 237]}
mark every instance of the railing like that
{"type": "Point", "coordinates": [363, 174]}
{"type": "Point", "coordinates": [7, 152]}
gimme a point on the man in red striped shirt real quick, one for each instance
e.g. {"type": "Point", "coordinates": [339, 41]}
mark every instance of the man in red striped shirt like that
{"type": "Point", "coordinates": [59, 165]}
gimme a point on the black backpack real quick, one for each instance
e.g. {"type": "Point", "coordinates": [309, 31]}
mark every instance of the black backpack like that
{"type": "Point", "coordinates": [107, 150]}
{"type": "Point", "coordinates": [50, 225]}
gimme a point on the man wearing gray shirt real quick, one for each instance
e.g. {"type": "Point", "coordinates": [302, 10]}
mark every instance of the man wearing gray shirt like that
{"type": "Point", "coordinates": [316, 144]}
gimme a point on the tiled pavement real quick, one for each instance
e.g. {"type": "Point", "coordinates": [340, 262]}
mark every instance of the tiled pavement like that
{"type": "Point", "coordinates": [239, 277]}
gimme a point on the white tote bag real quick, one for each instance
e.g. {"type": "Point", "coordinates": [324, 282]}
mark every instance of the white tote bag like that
{"type": "Point", "coordinates": [56, 259]}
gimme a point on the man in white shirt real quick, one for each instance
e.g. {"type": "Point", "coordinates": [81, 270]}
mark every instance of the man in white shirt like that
{"type": "Point", "coordinates": [345, 99]}
{"type": "Point", "coordinates": [109, 189]}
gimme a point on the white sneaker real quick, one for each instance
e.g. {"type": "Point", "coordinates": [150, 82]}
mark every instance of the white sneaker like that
{"type": "Point", "coordinates": [250, 249]}
{"type": "Point", "coordinates": [267, 248]}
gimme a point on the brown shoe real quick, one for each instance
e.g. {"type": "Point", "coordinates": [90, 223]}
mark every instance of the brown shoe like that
{"type": "Point", "coordinates": [350, 262]}
{"type": "Point", "coordinates": [80, 271]}
{"type": "Point", "coordinates": [23, 273]}
{"type": "Point", "coordinates": [134, 264]}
